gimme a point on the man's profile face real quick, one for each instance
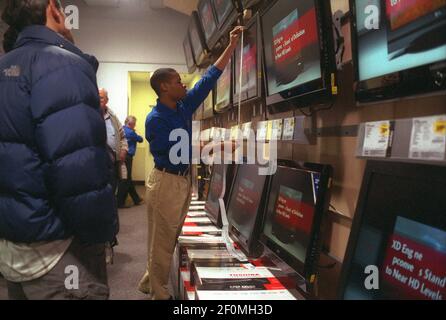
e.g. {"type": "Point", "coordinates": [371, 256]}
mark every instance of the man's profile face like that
{"type": "Point", "coordinates": [103, 97]}
{"type": "Point", "coordinates": [132, 124]}
{"type": "Point", "coordinates": [175, 88]}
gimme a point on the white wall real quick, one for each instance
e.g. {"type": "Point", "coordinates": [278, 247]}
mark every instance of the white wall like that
{"type": "Point", "coordinates": [113, 77]}
{"type": "Point", "coordinates": [126, 39]}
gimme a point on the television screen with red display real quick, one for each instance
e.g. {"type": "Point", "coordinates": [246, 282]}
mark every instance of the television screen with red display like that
{"type": "Point", "coordinates": [399, 230]}
{"type": "Point", "coordinates": [251, 71]}
{"type": "Point", "coordinates": [298, 197]}
{"type": "Point", "coordinates": [223, 89]}
{"type": "Point", "coordinates": [296, 49]}
{"type": "Point", "coordinates": [246, 206]}
{"type": "Point", "coordinates": [400, 47]}
{"type": "Point", "coordinates": [209, 22]}
{"type": "Point", "coordinates": [212, 206]}
{"type": "Point", "coordinates": [225, 12]}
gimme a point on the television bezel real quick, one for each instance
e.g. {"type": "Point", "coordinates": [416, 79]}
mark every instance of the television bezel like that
{"type": "Point", "coordinates": [230, 173]}
{"type": "Point", "coordinates": [215, 36]}
{"type": "Point", "coordinates": [194, 22]}
{"type": "Point", "coordinates": [191, 65]}
{"type": "Point", "coordinates": [259, 71]}
{"type": "Point", "coordinates": [406, 170]}
{"type": "Point", "coordinates": [309, 268]}
{"type": "Point", "coordinates": [226, 107]}
{"type": "Point", "coordinates": [251, 246]}
{"type": "Point", "coordinates": [415, 76]}
{"type": "Point", "coordinates": [224, 25]}
{"type": "Point", "coordinates": [316, 91]}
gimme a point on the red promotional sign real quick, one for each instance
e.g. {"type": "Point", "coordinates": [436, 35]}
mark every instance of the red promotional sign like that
{"type": "Point", "coordinates": [402, 12]}
{"type": "Point", "coordinates": [294, 214]}
{"type": "Point", "coordinates": [414, 270]}
{"type": "Point", "coordinates": [299, 34]}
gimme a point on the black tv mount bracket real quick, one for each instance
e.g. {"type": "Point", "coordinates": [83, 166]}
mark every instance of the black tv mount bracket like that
{"type": "Point", "coordinates": [339, 43]}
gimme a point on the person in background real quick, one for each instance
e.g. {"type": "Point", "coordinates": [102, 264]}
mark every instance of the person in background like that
{"type": "Point", "coordinates": [169, 185]}
{"type": "Point", "coordinates": [126, 186]}
{"type": "Point", "coordinates": [57, 208]}
{"type": "Point", "coordinates": [117, 150]}
{"type": "Point", "coordinates": [116, 141]}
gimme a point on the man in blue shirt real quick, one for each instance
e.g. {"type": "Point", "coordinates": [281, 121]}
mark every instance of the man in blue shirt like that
{"type": "Point", "coordinates": [126, 185]}
{"type": "Point", "coordinates": [169, 184]}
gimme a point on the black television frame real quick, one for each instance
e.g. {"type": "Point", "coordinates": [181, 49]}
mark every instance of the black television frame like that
{"type": "Point", "coordinates": [215, 36]}
{"type": "Point", "coordinates": [252, 247]}
{"type": "Point", "coordinates": [318, 91]}
{"type": "Point", "coordinates": [259, 73]}
{"type": "Point", "coordinates": [187, 46]}
{"type": "Point", "coordinates": [411, 82]}
{"type": "Point", "coordinates": [229, 19]}
{"type": "Point", "coordinates": [201, 57]}
{"type": "Point", "coordinates": [230, 173]}
{"type": "Point", "coordinates": [226, 107]}
{"type": "Point", "coordinates": [307, 270]}
{"type": "Point", "coordinates": [406, 170]}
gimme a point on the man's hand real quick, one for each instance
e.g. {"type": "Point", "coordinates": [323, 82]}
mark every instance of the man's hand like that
{"type": "Point", "coordinates": [235, 35]}
{"type": "Point", "coordinates": [227, 54]}
{"type": "Point", "coordinates": [122, 156]}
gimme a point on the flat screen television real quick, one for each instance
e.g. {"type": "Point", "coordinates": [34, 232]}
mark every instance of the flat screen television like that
{"type": "Point", "coordinates": [189, 55]}
{"type": "Point", "coordinates": [226, 13]}
{"type": "Point", "coordinates": [246, 206]}
{"type": "Point", "coordinates": [209, 22]}
{"type": "Point", "coordinates": [298, 53]}
{"type": "Point", "coordinates": [223, 90]}
{"type": "Point", "coordinates": [298, 197]}
{"type": "Point", "coordinates": [198, 114]}
{"type": "Point", "coordinates": [405, 55]}
{"type": "Point", "coordinates": [399, 228]}
{"type": "Point", "coordinates": [197, 40]}
{"type": "Point", "coordinates": [212, 206]}
{"type": "Point", "coordinates": [252, 68]}
{"type": "Point", "coordinates": [208, 106]}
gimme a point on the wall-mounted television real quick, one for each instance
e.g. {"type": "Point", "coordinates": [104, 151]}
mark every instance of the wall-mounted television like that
{"type": "Point", "coordinates": [404, 53]}
{"type": "Point", "coordinates": [189, 55]}
{"type": "Point", "coordinates": [197, 40]}
{"type": "Point", "coordinates": [298, 197]}
{"type": "Point", "coordinates": [298, 52]}
{"type": "Point", "coordinates": [208, 106]}
{"type": "Point", "coordinates": [246, 206]}
{"type": "Point", "coordinates": [209, 22]}
{"type": "Point", "coordinates": [212, 206]}
{"type": "Point", "coordinates": [399, 229]}
{"type": "Point", "coordinates": [198, 114]}
{"type": "Point", "coordinates": [226, 13]}
{"type": "Point", "coordinates": [252, 68]}
{"type": "Point", "coordinates": [223, 90]}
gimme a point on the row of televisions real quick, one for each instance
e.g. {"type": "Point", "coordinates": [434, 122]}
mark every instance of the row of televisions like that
{"type": "Point", "coordinates": [399, 50]}
{"type": "Point", "coordinates": [399, 225]}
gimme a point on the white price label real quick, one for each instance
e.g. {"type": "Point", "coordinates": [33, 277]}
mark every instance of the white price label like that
{"type": "Point", "coordinates": [428, 139]}
{"type": "Point", "coordinates": [376, 139]}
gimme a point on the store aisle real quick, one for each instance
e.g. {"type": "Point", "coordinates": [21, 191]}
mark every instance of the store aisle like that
{"type": "Point", "coordinates": [130, 256]}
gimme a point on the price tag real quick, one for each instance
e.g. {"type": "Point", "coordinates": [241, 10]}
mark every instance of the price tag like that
{"type": "Point", "coordinates": [428, 139]}
{"type": "Point", "coordinates": [262, 127]}
{"type": "Point", "coordinates": [288, 128]}
{"type": "Point", "coordinates": [376, 139]}
{"type": "Point", "coordinates": [277, 129]}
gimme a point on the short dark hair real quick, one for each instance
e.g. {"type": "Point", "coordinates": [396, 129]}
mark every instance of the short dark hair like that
{"type": "Point", "coordinates": [19, 14]}
{"type": "Point", "coordinates": [161, 76]}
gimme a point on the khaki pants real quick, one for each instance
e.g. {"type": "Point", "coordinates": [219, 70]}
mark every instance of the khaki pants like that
{"type": "Point", "coordinates": [167, 198]}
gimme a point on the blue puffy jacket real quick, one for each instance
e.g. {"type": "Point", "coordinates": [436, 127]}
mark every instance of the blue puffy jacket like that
{"type": "Point", "coordinates": [54, 167]}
